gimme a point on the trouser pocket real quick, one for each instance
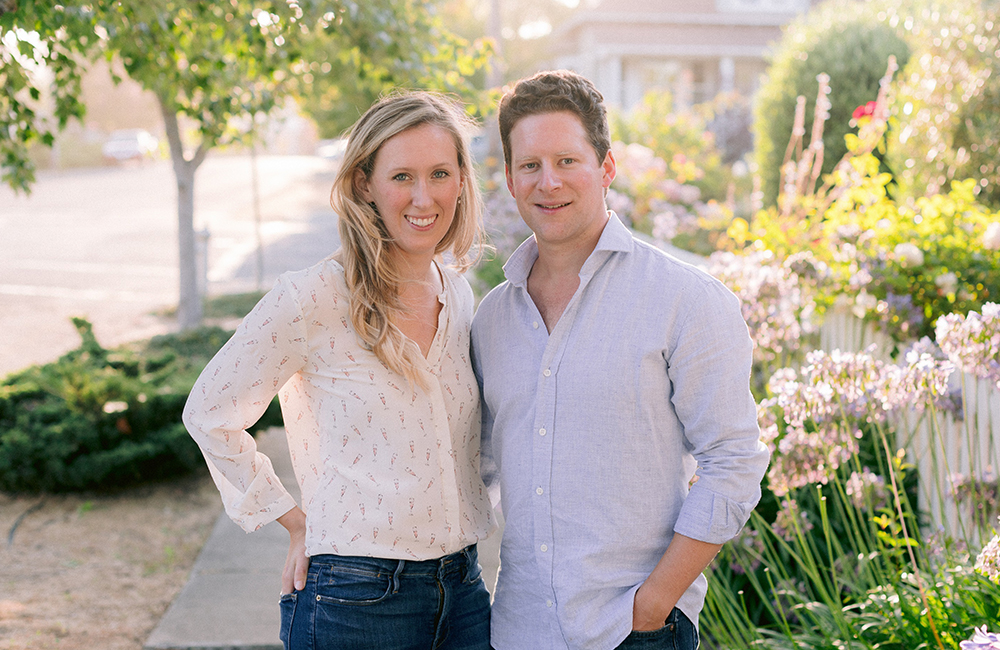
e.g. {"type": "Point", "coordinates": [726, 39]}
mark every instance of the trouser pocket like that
{"type": "Point", "coordinates": [287, 606]}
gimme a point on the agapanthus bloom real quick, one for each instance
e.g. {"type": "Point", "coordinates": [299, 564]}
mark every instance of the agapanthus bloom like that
{"type": "Point", "coordinates": [866, 488]}
{"type": "Point", "coordinates": [982, 640]}
{"type": "Point", "coordinates": [775, 306]}
{"type": "Point", "coordinates": [988, 561]}
{"type": "Point", "coordinates": [790, 518]}
{"type": "Point", "coordinates": [973, 342]}
{"type": "Point", "coordinates": [921, 380]}
{"type": "Point", "coordinates": [813, 421]}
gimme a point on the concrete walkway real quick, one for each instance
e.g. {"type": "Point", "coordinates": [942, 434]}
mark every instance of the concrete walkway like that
{"type": "Point", "coordinates": [230, 601]}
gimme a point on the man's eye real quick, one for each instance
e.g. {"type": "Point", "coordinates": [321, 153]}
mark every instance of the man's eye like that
{"type": "Point", "coordinates": [568, 161]}
{"type": "Point", "coordinates": [399, 177]}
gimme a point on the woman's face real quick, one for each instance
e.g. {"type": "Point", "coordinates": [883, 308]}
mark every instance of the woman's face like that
{"type": "Point", "coordinates": [415, 183]}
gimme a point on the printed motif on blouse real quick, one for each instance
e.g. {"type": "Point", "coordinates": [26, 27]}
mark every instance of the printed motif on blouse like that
{"type": "Point", "coordinates": [385, 469]}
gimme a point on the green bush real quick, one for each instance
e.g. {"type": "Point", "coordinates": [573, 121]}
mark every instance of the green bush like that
{"type": "Point", "coordinates": [845, 40]}
{"type": "Point", "coordinates": [681, 138]}
{"type": "Point", "coordinates": [99, 419]}
{"type": "Point", "coordinates": [948, 97]}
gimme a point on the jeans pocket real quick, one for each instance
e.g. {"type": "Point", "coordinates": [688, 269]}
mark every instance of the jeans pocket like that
{"type": "Point", "coordinates": [349, 586]}
{"type": "Point", "coordinates": [286, 605]}
{"type": "Point", "coordinates": [473, 573]}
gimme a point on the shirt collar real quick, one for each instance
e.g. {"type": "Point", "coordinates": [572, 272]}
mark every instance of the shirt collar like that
{"type": "Point", "coordinates": [615, 237]}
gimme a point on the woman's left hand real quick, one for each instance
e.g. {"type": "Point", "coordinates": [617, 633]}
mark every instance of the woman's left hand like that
{"type": "Point", "coordinates": [293, 577]}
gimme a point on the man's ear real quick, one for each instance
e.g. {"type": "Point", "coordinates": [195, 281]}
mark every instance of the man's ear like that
{"type": "Point", "coordinates": [361, 185]}
{"type": "Point", "coordinates": [510, 180]}
{"type": "Point", "coordinates": [610, 169]}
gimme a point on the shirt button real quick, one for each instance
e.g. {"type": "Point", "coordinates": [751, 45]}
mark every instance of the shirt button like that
{"type": "Point", "coordinates": [544, 547]}
{"type": "Point", "coordinates": [539, 491]}
{"type": "Point", "coordinates": [535, 324]}
{"type": "Point", "coordinates": [541, 431]}
{"type": "Point", "coordinates": [548, 603]}
{"type": "Point", "coordinates": [546, 372]}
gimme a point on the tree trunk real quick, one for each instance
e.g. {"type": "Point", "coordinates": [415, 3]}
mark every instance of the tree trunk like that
{"type": "Point", "coordinates": [189, 307]}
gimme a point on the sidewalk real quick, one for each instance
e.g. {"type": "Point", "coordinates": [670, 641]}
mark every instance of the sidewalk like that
{"type": "Point", "coordinates": [230, 601]}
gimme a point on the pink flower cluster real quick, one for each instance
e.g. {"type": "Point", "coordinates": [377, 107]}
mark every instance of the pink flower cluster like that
{"type": "Point", "coordinates": [988, 561]}
{"type": "Point", "coordinates": [789, 518]}
{"type": "Point", "coordinates": [813, 421]}
{"type": "Point", "coordinates": [775, 299]}
{"type": "Point", "coordinates": [973, 342]}
{"type": "Point", "coordinates": [866, 488]}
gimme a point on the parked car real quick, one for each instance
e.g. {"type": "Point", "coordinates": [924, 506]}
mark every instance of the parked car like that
{"type": "Point", "coordinates": [130, 144]}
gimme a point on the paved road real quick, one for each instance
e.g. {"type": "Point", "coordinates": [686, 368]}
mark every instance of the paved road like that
{"type": "Point", "coordinates": [102, 243]}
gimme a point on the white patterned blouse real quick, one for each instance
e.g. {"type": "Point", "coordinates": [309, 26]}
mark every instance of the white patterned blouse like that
{"type": "Point", "coordinates": [385, 470]}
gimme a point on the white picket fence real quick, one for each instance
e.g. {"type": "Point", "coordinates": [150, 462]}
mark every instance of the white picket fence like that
{"type": "Point", "coordinates": [970, 447]}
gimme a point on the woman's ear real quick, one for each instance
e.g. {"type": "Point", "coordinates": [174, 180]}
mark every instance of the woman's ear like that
{"type": "Point", "coordinates": [361, 185]}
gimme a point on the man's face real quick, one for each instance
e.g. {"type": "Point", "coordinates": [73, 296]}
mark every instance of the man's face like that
{"type": "Point", "coordinates": [556, 180]}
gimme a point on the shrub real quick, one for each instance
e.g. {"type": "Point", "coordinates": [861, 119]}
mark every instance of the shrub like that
{"type": "Point", "coordinates": [899, 264]}
{"type": "Point", "coordinates": [842, 39]}
{"type": "Point", "coordinates": [99, 419]}
{"type": "Point", "coordinates": [681, 138]}
{"type": "Point", "coordinates": [948, 97]}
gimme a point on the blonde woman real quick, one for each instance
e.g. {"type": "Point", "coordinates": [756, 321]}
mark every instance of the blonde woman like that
{"type": "Point", "coordinates": [369, 351]}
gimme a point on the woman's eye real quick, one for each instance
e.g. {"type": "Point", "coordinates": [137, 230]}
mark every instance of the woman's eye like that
{"type": "Point", "coordinates": [568, 161]}
{"type": "Point", "coordinates": [399, 177]}
{"type": "Point", "coordinates": [441, 174]}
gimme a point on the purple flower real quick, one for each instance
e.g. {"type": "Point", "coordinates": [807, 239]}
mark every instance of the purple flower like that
{"type": "Point", "coordinates": [973, 342]}
{"type": "Point", "coordinates": [982, 640]}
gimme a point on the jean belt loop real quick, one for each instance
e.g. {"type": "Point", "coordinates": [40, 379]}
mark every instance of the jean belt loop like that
{"type": "Point", "coordinates": [395, 576]}
{"type": "Point", "coordinates": [467, 554]}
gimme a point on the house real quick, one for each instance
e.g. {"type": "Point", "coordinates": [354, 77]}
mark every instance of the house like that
{"type": "Point", "coordinates": [696, 49]}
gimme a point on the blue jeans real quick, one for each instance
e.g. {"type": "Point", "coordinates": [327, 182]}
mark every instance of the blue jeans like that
{"type": "Point", "coordinates": [679, 633]}
{"type": "Point", "coordinates": [363, 603]}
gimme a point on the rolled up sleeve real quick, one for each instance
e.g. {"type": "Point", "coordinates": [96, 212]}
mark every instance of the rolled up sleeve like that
{"type": "Point", "coordinates": [709, 368]}
{"type": "Point", "coordinates": [232, 393]}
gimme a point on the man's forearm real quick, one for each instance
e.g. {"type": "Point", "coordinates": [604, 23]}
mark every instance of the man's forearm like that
{"type": "Point", "coordinates": [681, 564]}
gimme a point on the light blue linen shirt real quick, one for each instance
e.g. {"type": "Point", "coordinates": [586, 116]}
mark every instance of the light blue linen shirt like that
{"type": "Point", "coordinates": [593, 432]}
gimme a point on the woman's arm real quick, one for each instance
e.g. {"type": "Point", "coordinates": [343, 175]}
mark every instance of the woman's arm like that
{"type": "Point", "coordinates": [233, 391]}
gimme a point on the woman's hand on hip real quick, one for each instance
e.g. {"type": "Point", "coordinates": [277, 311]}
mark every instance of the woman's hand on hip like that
{"type": "Point", "coordinates": [293, 577]}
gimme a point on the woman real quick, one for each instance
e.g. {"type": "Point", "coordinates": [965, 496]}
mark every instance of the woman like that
{"type": "Point", "coordinates": [370, 352]}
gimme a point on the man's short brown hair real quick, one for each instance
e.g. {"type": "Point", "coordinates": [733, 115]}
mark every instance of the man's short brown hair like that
{"type": "Point", "coordinates": [549, 92]}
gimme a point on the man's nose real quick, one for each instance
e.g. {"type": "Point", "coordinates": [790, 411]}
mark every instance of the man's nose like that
{"type": "Point", "coordinates": [550, 178]}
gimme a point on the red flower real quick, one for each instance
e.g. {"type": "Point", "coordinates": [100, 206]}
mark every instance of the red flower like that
{"type": "Point", "coordinates": [865, 110]}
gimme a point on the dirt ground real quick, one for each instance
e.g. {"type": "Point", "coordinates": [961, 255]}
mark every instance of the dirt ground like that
{"type": "Point", "coordinates": [98, 571]}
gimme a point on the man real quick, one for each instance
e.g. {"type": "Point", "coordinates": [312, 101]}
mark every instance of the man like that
{"type": "Point", "coordinates": [609, 371]}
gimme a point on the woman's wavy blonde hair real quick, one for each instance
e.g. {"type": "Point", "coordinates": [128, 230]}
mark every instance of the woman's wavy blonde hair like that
{"type": "Point", "coordinates": [367, 251]}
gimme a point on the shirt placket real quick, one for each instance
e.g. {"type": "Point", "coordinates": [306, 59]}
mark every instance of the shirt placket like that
{"type": "Point", "coordinates": [545, 429]}
{"type": "Point", "coordinates": [447, 475]}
